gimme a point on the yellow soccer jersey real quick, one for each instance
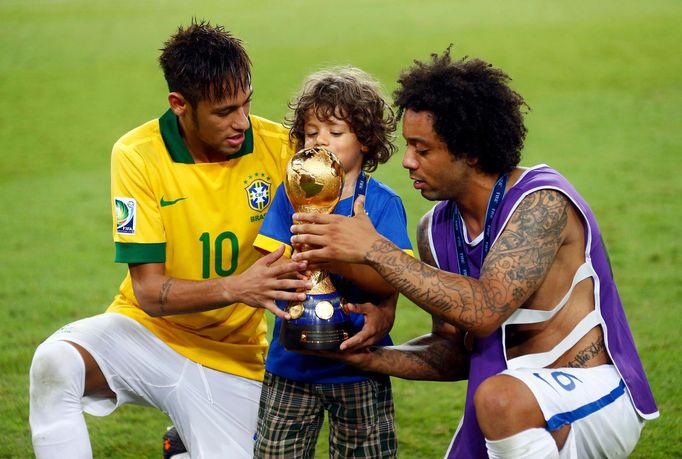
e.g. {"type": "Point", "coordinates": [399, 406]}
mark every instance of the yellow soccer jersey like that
{"type": "Point", "coordinates": [201, 221]}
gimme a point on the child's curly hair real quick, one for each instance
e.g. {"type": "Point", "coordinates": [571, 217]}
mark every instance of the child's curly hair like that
{"type": "Point", "coordinates": [349, 94]}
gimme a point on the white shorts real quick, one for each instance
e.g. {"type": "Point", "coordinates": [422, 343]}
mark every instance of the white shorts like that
{"type": "Point", "coordinates": [215, 412]}
{"type": "Point", "coordinates": [594, 401]}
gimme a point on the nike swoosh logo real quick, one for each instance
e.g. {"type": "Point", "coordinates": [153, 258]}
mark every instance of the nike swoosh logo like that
{"type": "Point", "coordinates": [165, 203]}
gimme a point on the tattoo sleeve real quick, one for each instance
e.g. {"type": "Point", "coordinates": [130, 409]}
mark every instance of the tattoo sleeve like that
{"type": "Point", "coordinates": [430, 357]}
{"type": "Point", "coordinates": [513, 270]}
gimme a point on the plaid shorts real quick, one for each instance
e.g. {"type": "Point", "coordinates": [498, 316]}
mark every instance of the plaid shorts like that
{"type": "Point", "coordinates": [291, 414]}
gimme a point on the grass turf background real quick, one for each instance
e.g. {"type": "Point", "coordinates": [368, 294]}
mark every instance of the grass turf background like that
{"type": "Point", "coordinates": [602, 79]}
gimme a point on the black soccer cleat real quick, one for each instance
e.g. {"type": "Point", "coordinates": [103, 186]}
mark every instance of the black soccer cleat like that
{"type": "Point", "coordinates": [172, 444]}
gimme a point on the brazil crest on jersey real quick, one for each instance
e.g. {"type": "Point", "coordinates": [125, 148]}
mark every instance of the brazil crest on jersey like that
{"type": "Point", "coordinates": [200, 220]}
{"type": "Point", "coordinates": [259, 194]}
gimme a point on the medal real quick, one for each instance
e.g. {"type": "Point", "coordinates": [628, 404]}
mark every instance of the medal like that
{"type": "Point", "coordinates": [493, 202]}
{"type": "Point", "coordinates": [296, 311]}
{"type": "Point", "coordinates": [324, 310]}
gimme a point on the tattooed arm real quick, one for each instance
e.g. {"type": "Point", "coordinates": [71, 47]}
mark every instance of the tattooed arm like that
{"type": "Point", "coordinates": [513, 270]}
{"type": "Point", "coordinates": [263, 282]}
{"type": "Point", "coordinates": [438, 356]}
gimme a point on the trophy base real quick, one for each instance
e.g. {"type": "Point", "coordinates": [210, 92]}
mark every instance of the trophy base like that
{"type": "Point", "coordinates": [320, 337]}
{"type": "Point", "coordinates": [320, 323]}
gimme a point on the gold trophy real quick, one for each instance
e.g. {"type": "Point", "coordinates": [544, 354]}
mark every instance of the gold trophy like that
{"type": "Point", "coordinates": [313, 183]}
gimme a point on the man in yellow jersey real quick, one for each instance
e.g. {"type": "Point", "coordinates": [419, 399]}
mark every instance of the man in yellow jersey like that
{"type": "Point", "coordinates": [186, 332]}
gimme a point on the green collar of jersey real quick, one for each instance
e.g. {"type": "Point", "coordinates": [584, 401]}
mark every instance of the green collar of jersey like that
{"type": "Point", "coordinates": [177, 148]}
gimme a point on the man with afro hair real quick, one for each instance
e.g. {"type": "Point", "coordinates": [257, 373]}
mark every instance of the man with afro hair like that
{"type": "Point", "coordinates": [514, 274]}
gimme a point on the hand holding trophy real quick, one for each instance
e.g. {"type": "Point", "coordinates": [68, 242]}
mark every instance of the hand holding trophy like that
{"type": "Point", "coordinates": [313, 183]}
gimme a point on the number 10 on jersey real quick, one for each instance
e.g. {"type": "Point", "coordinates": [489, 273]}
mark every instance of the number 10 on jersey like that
{"type": "Point", "coordinates": [217, 244]}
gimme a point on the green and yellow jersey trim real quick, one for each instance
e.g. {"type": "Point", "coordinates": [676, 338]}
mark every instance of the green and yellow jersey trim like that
{"type": "Point", "coordinates": [170, 132]}
{"type": "Point", "coordinates": [131, 252]}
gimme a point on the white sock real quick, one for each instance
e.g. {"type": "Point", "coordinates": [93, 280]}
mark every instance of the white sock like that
{"type": "Point", "coordinates": [530, 444]}
{"type": "Point", "coordinates": [57, 382]}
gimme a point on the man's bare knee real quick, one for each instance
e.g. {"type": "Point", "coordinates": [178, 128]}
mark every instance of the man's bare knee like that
{"type": "Point", "coordinates": [505, 406]}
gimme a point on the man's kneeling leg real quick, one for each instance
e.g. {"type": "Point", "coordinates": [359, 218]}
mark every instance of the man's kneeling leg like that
{"type": "Point", "coordinates": [536, 443]}
{"type": "Point", "coordinates": [57, 383]}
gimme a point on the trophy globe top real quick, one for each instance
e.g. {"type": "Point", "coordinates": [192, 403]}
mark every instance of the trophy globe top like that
{"type": "Point", "coordinates": [314, 180]}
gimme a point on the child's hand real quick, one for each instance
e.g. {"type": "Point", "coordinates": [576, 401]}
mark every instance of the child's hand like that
{"type": "Point", "coordinates": [378, 322]}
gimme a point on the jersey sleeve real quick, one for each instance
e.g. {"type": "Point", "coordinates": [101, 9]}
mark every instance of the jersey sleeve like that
{"type": "Point", "coordinates": [138, 230]}
{"type": "Point", "coordinates": [391, 222]}
{"type": "Point", "coordinates": [276, 228]}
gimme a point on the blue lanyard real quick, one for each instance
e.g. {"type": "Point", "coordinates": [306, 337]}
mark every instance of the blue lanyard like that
{"type": "Point", "coordinates": [360, 190]}
{"type": "Point", "coordinates": [493, 203]}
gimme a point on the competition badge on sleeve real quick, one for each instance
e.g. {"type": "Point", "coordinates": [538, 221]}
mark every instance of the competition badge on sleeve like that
{"type": "Point", "coordinates": [125, 215]}
{"type": "Point", "coordinates": [313, 183]}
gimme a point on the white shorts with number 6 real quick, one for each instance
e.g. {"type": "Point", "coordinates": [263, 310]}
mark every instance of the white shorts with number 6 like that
{"type": "Point", "coordinates": [594, 401]}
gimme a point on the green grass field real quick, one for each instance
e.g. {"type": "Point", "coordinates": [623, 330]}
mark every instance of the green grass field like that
{"type": "Point", "coordinates": [603, 78]}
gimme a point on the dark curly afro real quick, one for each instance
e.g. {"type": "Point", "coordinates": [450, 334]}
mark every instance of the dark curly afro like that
{"type": "Point", "coordinates": [474, 110]}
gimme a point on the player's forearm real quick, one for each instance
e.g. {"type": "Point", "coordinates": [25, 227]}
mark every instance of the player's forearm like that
{"type": "Point", "coordinates": [430, 358]}
{"type": "Point", "coordinates": [162, 295]}
{"type": "Point", "coordinates": [458, 300]}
